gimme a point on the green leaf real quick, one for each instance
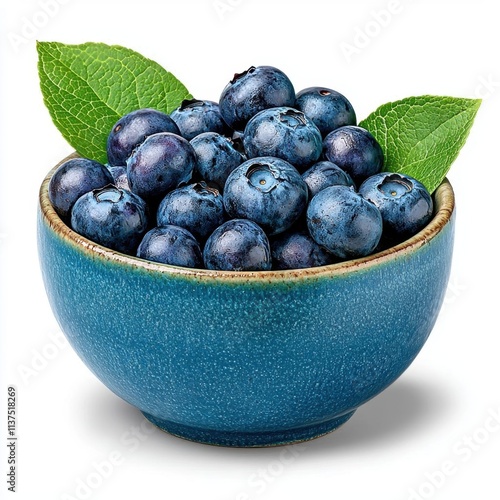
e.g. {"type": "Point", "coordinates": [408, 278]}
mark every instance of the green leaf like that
{"type": "Point", "coordinates": [422, 136]}
{"type": "Point", "coordinates": [88, 87]}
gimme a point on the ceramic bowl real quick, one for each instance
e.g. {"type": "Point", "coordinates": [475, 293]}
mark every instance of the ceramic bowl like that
{"type": "Point", "coordinates": [246, 358]}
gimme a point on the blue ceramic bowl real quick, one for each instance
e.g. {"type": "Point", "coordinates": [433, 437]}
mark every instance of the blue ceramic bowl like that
{"type": "Point", "coordinates": [246, 358]}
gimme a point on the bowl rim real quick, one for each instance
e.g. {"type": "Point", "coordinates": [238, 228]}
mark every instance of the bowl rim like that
{"type": "Point", "coordinates": [444, 200]}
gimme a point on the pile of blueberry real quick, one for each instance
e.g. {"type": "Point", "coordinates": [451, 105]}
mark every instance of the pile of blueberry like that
{"type": "Point", "coordinates": [265, 179]}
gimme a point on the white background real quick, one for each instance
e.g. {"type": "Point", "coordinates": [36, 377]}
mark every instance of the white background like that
{"type": "Point", "coordinates": [430, 435]}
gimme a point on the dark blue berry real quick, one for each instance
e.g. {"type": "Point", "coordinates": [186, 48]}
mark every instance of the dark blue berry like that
{"type": "Point", "coordinates": [161, 163]}
{"type": "Point", "coordinates": [254, 90]}
{"type": "Point", "coordinates": [216, 157]}
{"type": "Point", "coordinates": [268, 191]}
{"type": "Point", "coordinates": [325, 174]}
{"type": "Point", "coordinates": [197, 208]}
{"type": "Point", "coordinates": [238, 245]}
{"type": "Point", "coordinates": [354, 150]}
{"type": "Point", "coordinates": [131, 130]}
{"type": "Point", "coordinates": [327, 108]}
{"type": "Point", "coordinates": [112, 217]}
{"type": "Point", "coordinates": [405, 204]}
{"type": "Point", "coordinates": [343, 222]}
{"type": "Point", "coordinates": [171, 245]}
{"type": "Point", "coordinates": [297, 250]}
{"type": "Point", "coordinates": [283, 133]}
{"type": "Point", "coordinates": [74, 178]}
{"type": "Point", "coordinates": [193, 117]}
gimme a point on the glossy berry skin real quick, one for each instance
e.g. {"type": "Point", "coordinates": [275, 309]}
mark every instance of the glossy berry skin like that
{"type": "Point", "coordinates": [283, 133]}
{"type": "Point", "coordinates": [297, 250]}
{"type": "Point", "coordinates": [238, 245]}
{"type": "Point", "coordinates": [343, 222]}
{"type": "Point", "coordinates": [193, 117]}
{"type": "Point", "coordinates": [171, 245]}
{"type": "Point", "coordinates": [161, 163]}
{"type": "Point", "coordinates": [216, 157]}
{"type": "Point", "coordinates": [325, 174]}
{"type": "Point", "coordinates": [354, 150]}
{"type": "Point", "coordinates": [197, 208]}
{"type": "Point", "coordinates": [131, 130]}
{"type": "Point", "coordinates": [120, 179]}
{"type": "Point", "coordinates": [74, 178]}
{"type": "Point", "coordinates": [405, 204]}
{"type": "Point", "coordinates": [268, 191]}
{"type": "Point", "coordinates": [112, 217]}
{"type": "Point", "coordinates": [254, 90]}
{"type": "Point", "coordinates": [327, 108]}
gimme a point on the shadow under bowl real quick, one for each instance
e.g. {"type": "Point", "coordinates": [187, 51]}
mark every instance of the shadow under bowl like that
{"type": "Point", "coordinates": [246, 358]}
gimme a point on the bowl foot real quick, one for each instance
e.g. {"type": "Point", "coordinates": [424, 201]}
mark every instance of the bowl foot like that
{"type": "Point", "coordinates": [248, 439]}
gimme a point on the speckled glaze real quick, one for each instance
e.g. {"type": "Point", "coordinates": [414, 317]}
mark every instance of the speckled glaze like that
{"type": "Point", "coordinates": [251, 358]}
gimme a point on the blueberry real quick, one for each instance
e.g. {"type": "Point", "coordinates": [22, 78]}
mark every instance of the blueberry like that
{"type": "Point", "coordinates": [112, 217]}
{"type": "Point", "coordinates": [283, 133]}
{"type": "Point", "coordinates": [343, 222]}
{"type": "Point", "coordinates": [74, 178]}
{"type": "Point", "coordinates": [354, 150]}
{"type": "Point", "coordinates": [193, 117]}
{"type": "Point", "coordinates": [120, 178]}
{"type": "Point", "coordinates": [327, 108]}
{"type": "Point", "coordinates": [216, 157]}
{"type": "Point", "coordinates": [268, 191]}
{"type": "Point", "coordinates": [238, 245]}
{"type": "Point", "coordinates": [161, 163]}
{"type": "Point", "coordinates": [131, 130]}
{"type": "Point", "coordinates": [405, 204]}
{"type": "Point", "coordinates": [325, 174]}
{"type": "Point", "coordinates": [197, 208]}
{"type": "Point", "coordinates": [171, 245]}
{"type": "Point", "coordinates": [254, 90]}
{"type": "Point", "coordinates": [297, 250]}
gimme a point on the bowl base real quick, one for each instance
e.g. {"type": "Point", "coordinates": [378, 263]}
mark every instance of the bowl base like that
{"type": "Point", "coordinates": [249, 439]}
